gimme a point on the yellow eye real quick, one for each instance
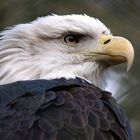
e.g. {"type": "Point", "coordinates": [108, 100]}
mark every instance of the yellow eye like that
{"type": "Point", "coordinates": [71, 39]}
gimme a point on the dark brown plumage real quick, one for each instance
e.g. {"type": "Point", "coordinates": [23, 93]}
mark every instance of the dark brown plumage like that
{"type": "Point", "coordinates": [60, 109]}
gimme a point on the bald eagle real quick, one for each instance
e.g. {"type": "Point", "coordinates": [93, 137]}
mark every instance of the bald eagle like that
{"type": "Point", "coordinates": [51, 74]}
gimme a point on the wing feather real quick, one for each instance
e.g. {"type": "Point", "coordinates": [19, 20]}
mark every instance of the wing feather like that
{"type": "Point", "coordinates": [60, 109]}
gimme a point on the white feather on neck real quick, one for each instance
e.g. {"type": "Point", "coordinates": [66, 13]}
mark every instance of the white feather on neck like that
{"type": "Point", "coordinates": [33, 51]}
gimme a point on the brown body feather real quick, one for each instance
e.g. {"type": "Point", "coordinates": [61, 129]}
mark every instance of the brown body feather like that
{"type": "Point", "coordinates": [60, 110]}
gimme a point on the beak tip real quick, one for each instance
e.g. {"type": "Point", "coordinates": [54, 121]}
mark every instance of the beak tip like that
{"type": "Point", "coordinates": [128, 68]}
{"type": "Point", "coordinates": [129, 65]}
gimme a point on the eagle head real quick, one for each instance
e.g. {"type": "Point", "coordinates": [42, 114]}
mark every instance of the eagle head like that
{"type": "Point", "coordinates": [61, 46]}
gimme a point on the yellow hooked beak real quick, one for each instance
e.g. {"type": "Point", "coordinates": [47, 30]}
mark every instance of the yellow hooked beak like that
{"type": "Point", "coordinates": [114, 50]}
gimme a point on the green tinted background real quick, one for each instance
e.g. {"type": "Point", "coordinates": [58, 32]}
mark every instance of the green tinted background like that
{"type": "Point", "coordinates": [121, 16]}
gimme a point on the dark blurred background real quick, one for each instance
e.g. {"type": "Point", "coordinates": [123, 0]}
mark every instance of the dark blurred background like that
{"type": "Point", "coordinates": [121, 16]}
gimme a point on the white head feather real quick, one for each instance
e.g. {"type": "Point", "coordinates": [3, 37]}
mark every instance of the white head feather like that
{"type": "Point", "coordinates": [37, 50]}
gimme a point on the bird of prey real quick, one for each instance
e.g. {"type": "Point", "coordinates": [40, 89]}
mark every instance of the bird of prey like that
{"type": "Point", "coordinates": [52, 74]}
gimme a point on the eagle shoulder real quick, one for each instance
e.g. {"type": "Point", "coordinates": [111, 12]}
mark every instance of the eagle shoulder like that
{"type": "Point", "coordinates": [60, 109]}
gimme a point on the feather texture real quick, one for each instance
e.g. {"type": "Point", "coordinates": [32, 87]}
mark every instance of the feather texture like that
{"type": "Point", "coordinates": [60, 109]}
{"type": "Point", "coordinates": [37, 50]}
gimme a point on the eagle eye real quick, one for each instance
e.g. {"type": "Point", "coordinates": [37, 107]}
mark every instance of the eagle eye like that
{"type": "Point", "coordinates": [71, 39]}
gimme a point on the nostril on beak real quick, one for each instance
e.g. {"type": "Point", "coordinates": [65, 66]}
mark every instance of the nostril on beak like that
{"type": "Point", "coordinates": [107, 41]}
